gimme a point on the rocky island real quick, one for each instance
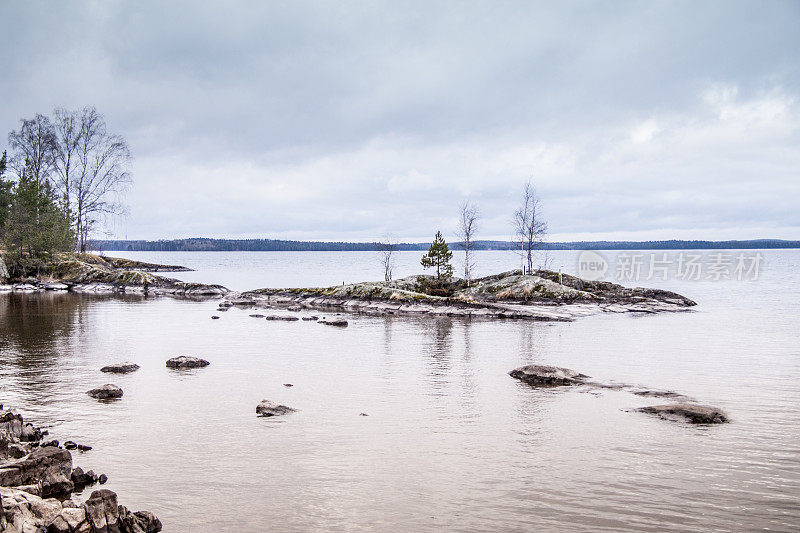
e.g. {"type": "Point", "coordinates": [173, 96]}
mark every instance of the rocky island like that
{"type": "Point", "coordinates": [90, 273]}
{"type": "Point", "coordinates": [543, 295]}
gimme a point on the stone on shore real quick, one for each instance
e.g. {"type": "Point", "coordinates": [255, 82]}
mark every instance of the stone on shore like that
{"type": "Point", "coordinates": [121, 368]}
{"type": "Point", "coordinates": [106, 392]}
{"type": "Point", "coordinates": [184, 361]}
{"type": "Point", "coordinates": [270, 408]}
{"type": "Point", "coordinates": [695, 414]}
{"type": "Point", "coordinates": [547, 376]}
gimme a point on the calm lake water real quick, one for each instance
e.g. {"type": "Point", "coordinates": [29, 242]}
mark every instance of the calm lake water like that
{"type": "Point", "coordinates": [451, 441]}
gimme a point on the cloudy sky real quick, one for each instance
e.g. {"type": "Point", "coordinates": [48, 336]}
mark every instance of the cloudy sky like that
{"type": "Point", "coordinates": [347, 120]}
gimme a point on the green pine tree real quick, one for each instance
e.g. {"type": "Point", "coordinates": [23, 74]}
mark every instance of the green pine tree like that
{"type": "Point", "coordinates": [439, 256]}
{"type": "Point", "coordinates": [36, 226]}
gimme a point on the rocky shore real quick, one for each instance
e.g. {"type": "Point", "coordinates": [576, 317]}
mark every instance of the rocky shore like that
{"type": "Point", "coordinates": [89, 273]}
{"type": "Point", "coordinates": [37, 480]}
{"type": "Point", "coordinates": [544, 295]}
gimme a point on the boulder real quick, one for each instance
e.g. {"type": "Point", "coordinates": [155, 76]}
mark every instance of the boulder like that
{"type": "Point", "coordinates": [185, 361]}
{"type": "Point", "coordinates": [121, 368]}
{"type": "Point", "coordinates": [695, 414]}
{"type": "Point", "coordinates": [547, 376]}
{"type": "Point", "coordinates": [106, 392]}
{"type": "Point", "coordinates": [81, 478]}
{"type": "Point", "coordinates": [51, 467]}
{"type": "Point", "coordinates": [270, 408]}
{"type": "Point", "coordinates": [310, 318]}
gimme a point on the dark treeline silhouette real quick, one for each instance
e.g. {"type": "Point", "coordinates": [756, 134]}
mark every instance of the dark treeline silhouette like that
{"type": "Point", "coordinates": [274, 245]}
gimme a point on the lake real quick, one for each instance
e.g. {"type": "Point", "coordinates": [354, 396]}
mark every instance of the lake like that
{"type": "Point", "coordinates": [451, 441]}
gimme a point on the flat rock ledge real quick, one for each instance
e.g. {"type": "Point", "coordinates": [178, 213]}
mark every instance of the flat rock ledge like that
{"type": "Point", "coordinates": [547, 376]}
{"type": "Point", "coordinates": [120, 368]}
{"type": "Point", "coordinates": [695, 414]}
{"type": "Point", "coordinates": [184, 361]}
{"type": "Point", "coordinates": [270, 408]}
{"type": "Point", "coordinates": [106, 392]}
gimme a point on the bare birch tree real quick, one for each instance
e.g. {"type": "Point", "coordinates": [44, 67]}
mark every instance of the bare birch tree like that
{"type": "Point", "coordinates": [469, 214]}
{"type": "Point", "coordinates": [67, 130]}
{"type": "Point", "coordinates": [33, 148]}
{"type": "Point", "coordinates": [388, 249]}
{"type": "Point", "coordinates": [102, 174]}
{"type": "Point", "coordinates": [529, 226]}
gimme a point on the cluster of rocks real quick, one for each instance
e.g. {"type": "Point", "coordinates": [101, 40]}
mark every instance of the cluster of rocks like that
{"type": "Point", "coordinates": [36, 482]}
{"type": "Point", "coordinates": [553, 376]}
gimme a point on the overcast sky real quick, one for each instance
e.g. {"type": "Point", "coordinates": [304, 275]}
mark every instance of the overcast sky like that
{"type": "Point", "coordinates": [347, 120]}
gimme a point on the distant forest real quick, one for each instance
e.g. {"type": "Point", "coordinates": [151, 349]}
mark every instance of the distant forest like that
{"type": "Point", "coordinates": [273, 245]}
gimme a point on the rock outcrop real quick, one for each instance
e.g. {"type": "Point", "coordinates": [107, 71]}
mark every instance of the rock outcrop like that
{"type": "Point", "coordinates": [547, 376]}
{"type": "Point", "coordinates": [184, 361]}
{"type": "Point", "coordinates": [270, 408]}
{"type": "Point", "coordinates": [27, 513]}
{"type": "Point", "coordinates": [30, 473]}
{"type": "Point", "coordinates": [121, 368]}
{"type": "Point", "coordinates": [695, 414]}
{"type": "Point", "coordinates": [108, 391]}
{"type": "Point", "coordinates": [50, 468]}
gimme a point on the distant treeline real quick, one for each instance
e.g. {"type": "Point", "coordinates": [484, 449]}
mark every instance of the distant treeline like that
{"type": "Point", "coordinates": [274, 245]}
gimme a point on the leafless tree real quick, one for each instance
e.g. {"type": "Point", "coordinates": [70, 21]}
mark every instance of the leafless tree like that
{"type": "Point", "coordinates": [33, 145]}
{"type": "Point", "coordinates": [102, 173]}
{"type": "Point", "coordinates": [388, 249]}
{"type": "Point", "coordinates": [529, 226]}
{"type": "Point", "coordinates": [469, 214]}
{"type": "Point", "coordinates": [67, 130]}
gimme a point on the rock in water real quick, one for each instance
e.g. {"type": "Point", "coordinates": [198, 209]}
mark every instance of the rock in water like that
{"type": "Point", "coordinates": [121, 368]}
{"type": "Point", "coordinates": [341, 323]}
{"type": "Point", "coordinates": [106, 392]}
{"type": "Point", "coordinates": [695, 414]}
{"type": "Point", "coordinates": [547, 376]}
{"type": "Point", "coordinates": [186, 362]}
{"type": "Point", "coordinates": [268, 408]}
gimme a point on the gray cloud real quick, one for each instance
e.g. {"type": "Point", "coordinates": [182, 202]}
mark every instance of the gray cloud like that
{"type": "Point", "coordinates": [344, 120]}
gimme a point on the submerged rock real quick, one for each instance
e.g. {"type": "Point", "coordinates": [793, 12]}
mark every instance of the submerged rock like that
{"type": "Point", "coordinates": [337, 322]}
{"type": "Point", "coordinates": [547, 376]}
{"type": "Point", "coordinates": [286, 318]}
{"type": "Point", "coordinates": [184, 361]}
{"type": "Point", "coordinates": [121, 368]}
{"type": "Point", "coordinates": [695, 414]}
{"type": "Point", "coordinates": [106, 392]}
{"type": "Point", "coordinates": [270, 408]}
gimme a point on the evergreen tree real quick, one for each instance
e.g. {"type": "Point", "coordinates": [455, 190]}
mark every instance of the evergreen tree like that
{"type": "Point", "coordinates": [5, 195]}
{"type": "Point", "coordinates": [439, 256]}
{"type": "Point", "coordinates": [37, 226]}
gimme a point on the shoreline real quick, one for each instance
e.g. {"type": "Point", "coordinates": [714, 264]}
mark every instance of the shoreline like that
{"type": "Point", "coordinates": [37, 482]}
